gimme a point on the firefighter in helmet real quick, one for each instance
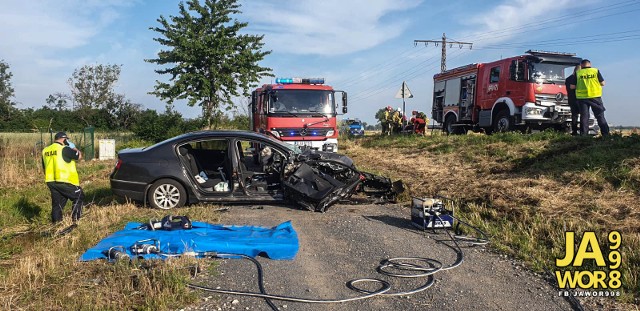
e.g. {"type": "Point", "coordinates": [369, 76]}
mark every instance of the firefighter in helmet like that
{"type": "Point", "coordinates": [419, 120]}
{"type": "Point", "coordinates": [387, 124]}
{"type": "Point", "coordinates": [396, 120]}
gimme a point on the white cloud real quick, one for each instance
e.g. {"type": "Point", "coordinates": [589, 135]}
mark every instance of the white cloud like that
{"type": "Point", "coordinates": [36, 27]}
{"type": "Point", "coordinates": [42, 40]}
{"type": "Point", "coordinates": [331, 27]}
{"type": "Point", "coordinates": [502, 22]}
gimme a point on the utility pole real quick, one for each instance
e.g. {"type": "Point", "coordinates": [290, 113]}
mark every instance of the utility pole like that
{"type": "Point", "coordinates": [444, 42]}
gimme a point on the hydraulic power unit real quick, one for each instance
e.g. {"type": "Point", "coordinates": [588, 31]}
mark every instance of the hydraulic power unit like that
{"type": "Point", "coordinates": [429, 213]}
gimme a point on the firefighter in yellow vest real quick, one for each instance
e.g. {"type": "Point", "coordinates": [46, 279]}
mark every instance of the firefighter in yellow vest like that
{"type": "Point", "coordinates": [387, 125]}
{"type": "Point", "coordinates": [397, 119]}
{"type": "Point", "coordinates": [59, 163]}
{"type": "Point", "coordinates": [589, 83]}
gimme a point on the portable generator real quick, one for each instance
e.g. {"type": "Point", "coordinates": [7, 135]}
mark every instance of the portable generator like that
{"type": "Point", "coordinates": [429, 213]}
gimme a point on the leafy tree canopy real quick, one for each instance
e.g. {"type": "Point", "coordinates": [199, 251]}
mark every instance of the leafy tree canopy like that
{"type": "Point", "coordinates": [92, 87]}
{"type": "Point", "coordinates": [6, 91]}
{"type": "Point", "coordinates": [207, 59]}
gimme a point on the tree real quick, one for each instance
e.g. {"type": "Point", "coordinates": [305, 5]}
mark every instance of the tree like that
{"type": "Point", "coordinates": [380, 114]}
{"type": "Point", "coordinates": [58, 101]}
{"type": "Point", "coordinates": [6, 92]}
{"type": "Point", "coordinates": [123, 112]}
{"type": "Point", "coordinates": [92, 87]}
{"type": "Point", "coordinates": [155, 127]}
{"type": "Point", "coordinates": [207, 60]}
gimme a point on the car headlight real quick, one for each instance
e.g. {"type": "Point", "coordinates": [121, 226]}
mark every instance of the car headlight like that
{"type": "Point", "coordinates": [533, 111]}
{"type": "Point", "coordinates": [330, 133]}
{"type": "Point", "coordinates": [329, 147]}
{"type": "Point", "coordinates": [275, 133]}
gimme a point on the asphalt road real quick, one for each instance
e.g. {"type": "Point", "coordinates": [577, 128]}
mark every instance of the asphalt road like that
{"type": "Point", "coordinates": [348, 242]}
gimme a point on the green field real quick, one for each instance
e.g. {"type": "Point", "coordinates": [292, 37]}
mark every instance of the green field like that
{"type": "Point", "coordinates": [525, 190]}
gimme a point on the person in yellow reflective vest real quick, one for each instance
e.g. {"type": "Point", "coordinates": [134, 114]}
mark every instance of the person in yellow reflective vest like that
{"type": "Point", "coordinates": [59, 163]}
{"type": "Point", "coordinates": [396, 120]}
{"type": "Point", "coordinates": [387, 125]}
{"type": "Point", "coordinates": [589, 83]}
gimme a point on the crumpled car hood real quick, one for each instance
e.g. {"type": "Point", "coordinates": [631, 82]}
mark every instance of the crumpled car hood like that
{"type": "Point", "coordinates": [320, 179]}
{"type": "Point", "coordinates": [310, 155]}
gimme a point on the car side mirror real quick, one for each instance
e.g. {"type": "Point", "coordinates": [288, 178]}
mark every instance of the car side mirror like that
{"type": "Point", "coordinates": [516, 70]}
{"type": "Point", "coordinates": [254, 102]}
{"type": "Point", "coordinates": [344, 102]}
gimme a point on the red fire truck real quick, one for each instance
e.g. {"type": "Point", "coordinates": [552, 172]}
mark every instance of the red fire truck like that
{"type": "Point", "coordinates": [299, 111]}
{"type": "Point", "coordinates": [522, 92]}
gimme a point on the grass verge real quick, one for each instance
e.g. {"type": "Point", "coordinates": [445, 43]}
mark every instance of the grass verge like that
{"type": "Point", "coordinates": [525, 190]}
{"type": "Point", "coordinates": [40, 270]}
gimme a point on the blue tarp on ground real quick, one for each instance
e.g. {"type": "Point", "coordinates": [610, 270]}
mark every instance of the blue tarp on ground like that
{"type": "Point", "coordinates": [279, 242]}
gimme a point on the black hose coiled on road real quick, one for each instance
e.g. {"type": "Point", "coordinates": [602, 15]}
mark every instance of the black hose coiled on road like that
{"type": "Point", "coordinates": [401, 267]}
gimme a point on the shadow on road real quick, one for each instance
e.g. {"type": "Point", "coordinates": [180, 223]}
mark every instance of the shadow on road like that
{"type": "Point", "coordinates": [399, 222]}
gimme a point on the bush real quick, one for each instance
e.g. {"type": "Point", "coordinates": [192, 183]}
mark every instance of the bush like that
{"type": "Point", "coordinates": [155, 127]}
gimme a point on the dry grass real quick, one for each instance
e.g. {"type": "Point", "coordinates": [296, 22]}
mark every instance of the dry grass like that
{"type": "Point", "coordinates": [520, 193]}
{"type": "Point", "coordinates": [519, 190]}
{"type": "Point", "coordinates": [48, 276]}
{"type": "Point", "coordinates": [41, 271]}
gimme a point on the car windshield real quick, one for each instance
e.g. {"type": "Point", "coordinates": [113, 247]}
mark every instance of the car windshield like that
{"type": "Point", "coordinates": [547, 72]}
{"type": "Point", "coordinates": [302, 102]}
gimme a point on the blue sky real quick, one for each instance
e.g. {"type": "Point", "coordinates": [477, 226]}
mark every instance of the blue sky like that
{"type": "Point", "coordinates": [364, 47]}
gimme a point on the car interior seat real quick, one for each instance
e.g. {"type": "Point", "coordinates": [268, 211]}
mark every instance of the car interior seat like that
{"type": "Point", "coordinates": [194, 167]}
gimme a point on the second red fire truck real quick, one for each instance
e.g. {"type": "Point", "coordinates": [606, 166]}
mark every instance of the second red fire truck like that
{"type": "Point", "coordinates": [298, 111]}
{"type": "Point", "coordinates": [522, 92]}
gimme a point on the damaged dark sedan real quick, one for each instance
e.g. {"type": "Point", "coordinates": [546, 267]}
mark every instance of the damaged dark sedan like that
{"type": "Point", "coordinates": [242, 167]}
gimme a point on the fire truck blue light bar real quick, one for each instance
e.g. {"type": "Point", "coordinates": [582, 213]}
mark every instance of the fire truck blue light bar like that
{"type": "Point", "coordinates": [299, 80]}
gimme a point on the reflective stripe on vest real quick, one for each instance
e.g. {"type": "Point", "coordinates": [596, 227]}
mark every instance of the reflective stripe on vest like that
{"type": "Point", "coordinates": [588, 85]}
{"type": "Point", "coordinates": [56, 168]}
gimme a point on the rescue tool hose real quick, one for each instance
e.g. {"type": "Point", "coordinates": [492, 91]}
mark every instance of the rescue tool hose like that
{"type": "Point", "coordinates": [385, 286]}
{"type": "Point", "coordinates": [401, 267]}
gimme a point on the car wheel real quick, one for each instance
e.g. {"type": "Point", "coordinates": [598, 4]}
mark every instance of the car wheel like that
{"type": "Point", "coordinates": [167, 194]}
{"type": "Point", "coordinates": [503, 122]}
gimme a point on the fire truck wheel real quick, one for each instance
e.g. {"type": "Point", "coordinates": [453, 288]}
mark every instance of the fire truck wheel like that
{"type": "Point", "coordinates": [503, 122]}
{"type": "Point", "coordinates": [448, 125]}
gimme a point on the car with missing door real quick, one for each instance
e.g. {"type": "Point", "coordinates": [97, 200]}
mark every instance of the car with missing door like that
{"type": "Point", "coordinates": [241, 167]}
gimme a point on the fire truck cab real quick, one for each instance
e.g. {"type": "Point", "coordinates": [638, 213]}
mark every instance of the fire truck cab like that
{"type": "Point", "coordinates": [522, 92]}
{"type": "Point", "coordinates": [298, 111]}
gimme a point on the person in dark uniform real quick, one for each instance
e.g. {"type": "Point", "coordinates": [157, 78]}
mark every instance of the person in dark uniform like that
{"type": "Point", "coordinates": [573, 102]}
{"type": "Point", "coordinates": [589, 83]}
{"type": "Point", "coordinates": [59, 163]}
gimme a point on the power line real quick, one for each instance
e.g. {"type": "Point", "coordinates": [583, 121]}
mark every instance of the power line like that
{"type": "Point", "coordinates": [419, 66]}
{"type": "Point", "coordinates": [392, 83]}
{"type": "Point", "coordinates": [560, 24]}
{"type": "Point", "coordinates": [535, 25]}
{"type": "Point", "coordinates": [444, 42]}
{"type": "Point", "coordinates": [561, 43]}
{"type": "Point", "coordinates": [596, 13]}
{"type": "Point", "coordinates": [393, 64]}
{"type": "Point", "coordinates": [403, 57]}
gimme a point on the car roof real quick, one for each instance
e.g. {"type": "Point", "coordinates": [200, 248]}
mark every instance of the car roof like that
{"type": "Point", "coordinates": [221, 133]}
{"type": "Point", "coordinates": [243, 134]}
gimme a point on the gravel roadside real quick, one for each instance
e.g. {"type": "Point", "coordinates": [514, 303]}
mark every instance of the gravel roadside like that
{"type": "Point", "coordinates": [348, 242]}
